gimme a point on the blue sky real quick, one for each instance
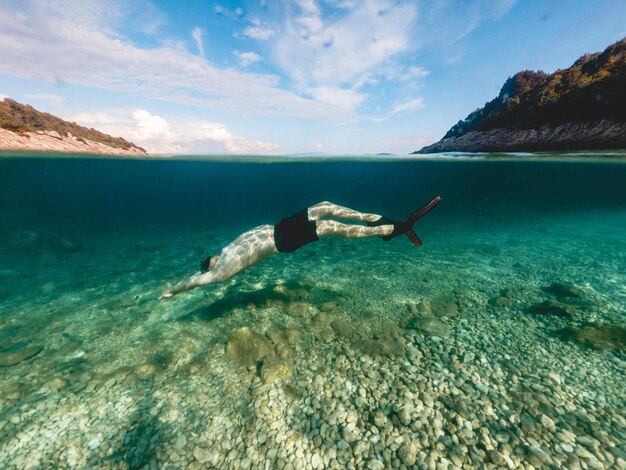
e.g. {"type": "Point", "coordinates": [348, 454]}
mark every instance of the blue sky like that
{"type": "Point", "coordinates": [285, 76]}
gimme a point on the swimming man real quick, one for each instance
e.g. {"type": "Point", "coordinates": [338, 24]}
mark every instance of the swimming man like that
{"type": "Point", "coordinates": [293, 232]}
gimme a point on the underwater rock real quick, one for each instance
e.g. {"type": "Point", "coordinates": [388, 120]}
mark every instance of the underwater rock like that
{"type": "Point", "coordinates": [247, 348]}
{"type": "Point", "coordinates": [321, 319]}
{"type": "Point", "coordinates": [562, 289]}
{"type": "Point", "coordinates": [499, 301]}
{"type": "Point", "coordinates": [275, 368]}
{"type": "Point", "coordinates": [408, 453]}
{"type": "Point", "coordinates": [69, 347]}
{"type": "Point", "coordinates": [341, 326]}
{"type": "Point", "coordinates": [17, 353]}
{"type": "Point", "coordinates": [202, 455]}
{"type": "Point", "coordinates": [420, 308]}
{"type": "Point", "coordinates": [444, 306]}
{"type": "Point", "coordinates": [279, 334]}
{"type": "Point", "coordinates": [388, 330]}
{"type": "Point", "coordinates": [596, 336]}
{"type": "Point", "coordinates": [379, 419]}
{"type": "Point", "coordinates": [430, 325]}
{"type": "Point", "coordinates": [293, 291]}
{"type": "Point", "coordinates": [510, 292]}
{"type": "Point", "coordinates": [550, 308]}
{"type": "Point", "coordinates": [57, 383]}
{"type": "Point", "coordinates": [301, 310]}
{"type": "Point", "coordinates": [282, 349]}
{"type": "Point", "coordinates": [329, 307]}
{"type": "Point", "coordinates": [424, 308]}
{"type": "Point", "coordinates": [383, 347]}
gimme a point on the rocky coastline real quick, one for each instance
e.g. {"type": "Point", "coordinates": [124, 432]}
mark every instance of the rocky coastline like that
{"type": "Point", "coordinates": [601, 135]}
{"type": "Point", "coordinates": [52, 141]}
{"type": "Point", "coordinates": [578, 108]}
{"type": "Point", "coordinates": [23, 128]}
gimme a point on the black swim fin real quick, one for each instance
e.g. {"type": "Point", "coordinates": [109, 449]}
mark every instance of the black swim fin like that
{"type": "Point", "coordinates": [406, 227]}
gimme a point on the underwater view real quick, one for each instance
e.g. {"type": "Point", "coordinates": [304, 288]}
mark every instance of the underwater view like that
{"type": "Point", "coordinates": [501, 343]}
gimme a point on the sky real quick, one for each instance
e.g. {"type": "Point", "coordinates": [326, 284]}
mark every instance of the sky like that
{"type": "Point", "coordinates": [285, 76]}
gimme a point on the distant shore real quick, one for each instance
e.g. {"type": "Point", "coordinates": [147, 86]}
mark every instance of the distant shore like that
{"type": "Point", "coordinates": [582, 107]}
{"type": "Point", "coordinates": [602, 135]}
{"type": "Point", "coordinates": [54, 142]}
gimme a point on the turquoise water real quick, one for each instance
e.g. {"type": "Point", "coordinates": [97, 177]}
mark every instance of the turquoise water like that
{"type": "Point", "coordinates": [500, 342]}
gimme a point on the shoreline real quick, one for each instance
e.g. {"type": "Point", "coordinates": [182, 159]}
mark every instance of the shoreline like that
{"type": "Point", "coordinates": [52, 141]}
{"type": "Point", "coordinates": [606, 156]}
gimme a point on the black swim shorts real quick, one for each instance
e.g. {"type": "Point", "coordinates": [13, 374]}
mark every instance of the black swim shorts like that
{"type": "Point", "coordinates": [293, 232]}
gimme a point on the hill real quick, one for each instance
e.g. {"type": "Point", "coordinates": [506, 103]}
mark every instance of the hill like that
{"type": "Point", "coordinates": [581, 107]}
{"type": "Point", "coordinates": [22, 127]}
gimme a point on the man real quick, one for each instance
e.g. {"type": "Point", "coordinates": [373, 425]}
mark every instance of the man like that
{"type": "Point", "coordinates": [293, 232]}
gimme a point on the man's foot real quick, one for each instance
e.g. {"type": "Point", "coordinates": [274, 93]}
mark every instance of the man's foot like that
{"type": "Point", "coordinates": [406, 227]}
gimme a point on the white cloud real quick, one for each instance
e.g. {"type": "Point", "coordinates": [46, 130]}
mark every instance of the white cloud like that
{"type": "Point", "coordinates": [3, 96]}
{"type": "Point", "coordinates": [345, 98]}
{"type": "Point", "coordinates": [445, 22]}
{"type": "Point", "coordinates": [196, 34]}
{"type": "Point", "coordinates": [317, 51]}
{"type": "Point", "coordinates": [247, 58]}
{"type": "Point", "coordinates": [259, 31]}
{"type": "Point", "coordinates": [77, 42]}
{"type": "Point", "coordinates": [415, 72]}
{"type": "Point", "coordinates": [333, 54]}
{"type": "Point", "coordinates": [220, 10]}
{"type": "Point", "coordinates": [158, 136]}
{"type": "Point", "coordinates": [408, 106]}
{"type": "Point", "coordinates": [55, 100]}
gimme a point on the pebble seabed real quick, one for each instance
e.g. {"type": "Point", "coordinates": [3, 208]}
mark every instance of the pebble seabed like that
{"type": "Point", "coordinates": [458, 374]}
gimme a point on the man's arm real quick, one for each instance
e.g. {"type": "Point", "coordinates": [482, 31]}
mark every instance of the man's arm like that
{"type": "Point", "coordinates": [198, 279]}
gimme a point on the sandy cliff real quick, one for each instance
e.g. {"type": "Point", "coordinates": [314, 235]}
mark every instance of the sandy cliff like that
{"type": "Point", "coordinates": [22, 127]}
{"type": "Point", "coordinates": [54, 142]}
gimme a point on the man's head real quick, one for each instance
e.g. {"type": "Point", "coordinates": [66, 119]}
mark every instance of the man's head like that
{"type": "Point", "coordinates": [208, 263]}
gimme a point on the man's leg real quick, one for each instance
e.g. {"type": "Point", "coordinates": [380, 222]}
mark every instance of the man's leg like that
{"type": "Point", "coordinates": [327, 209]}
{"type": "Point", "coordinates": [331, 228]}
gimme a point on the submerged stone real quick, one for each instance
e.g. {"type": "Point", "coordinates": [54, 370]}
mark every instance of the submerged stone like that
{"type": "Point", "coordinates": [287, 335]}
{"type": "Point", "coordinates": [408, 453]}
{"type": "Point", "coordinates": [10, 357]}
{"type": "Point", "coordinates": [444, 306]}
{"type": "Point", "coordinates": [247, 348]}
{"type": "Point", "coordinates": [321, 319]}
{"type": "Point", "coordinates": [551, 308]}
{"type": "Point", "coordinates": [274, 368]}
{"type": "Point", "coordinates": [341, 326]}
{"type": "Point", "coordinates": [510, 292]}
{"type": "Point", "coordinates": [424, 308]}
{"type": "Point", "coordinates": [430, 325]}
{"type": "Point", "coordinates": [388, 330]}
{"type": "Point", "coordinates": [563, 289]}
{"type": "Point", "coordinates": [596, 336]}
{"type": "Point", "coordinates": [499, 301]}
{"type": "Point", "coordinates": [301, 310]}
{"type": "Point", "coordinates": [383, 347]}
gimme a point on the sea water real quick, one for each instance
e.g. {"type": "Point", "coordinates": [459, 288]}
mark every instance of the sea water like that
{"type": "Point", "coordinates": [501, 341]}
